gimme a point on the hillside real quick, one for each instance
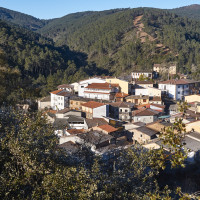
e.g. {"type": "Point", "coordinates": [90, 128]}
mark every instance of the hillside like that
{"type": "Point", "coordinates": [29, 61]}
{"type": "Point", "coordinates": [111, 40]}
{"type": "Point", "coordinates": [121, 40]}
{"type": "Point", "coordinates": [191, 11]}
{"type": "Point", "coordinates": [21, 19]}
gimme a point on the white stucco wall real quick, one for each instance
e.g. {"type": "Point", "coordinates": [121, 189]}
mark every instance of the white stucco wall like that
{"type": "Point", "coordinates": [101, 111]}
{"type": "Point", "coordinates": [145, 119]}
{"type": "Point", "coordinates": [58, 102]}
{"type": "Point", "coordinates": [141, 91]}
{"type": "Point", "coordinates": [170, 89]}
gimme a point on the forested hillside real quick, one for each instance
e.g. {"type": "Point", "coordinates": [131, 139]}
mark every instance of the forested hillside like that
{"type": "Point", "coordinates": [192, 11]}
{"type": "Point", "coordinates": [21, 19]}
{"type": "Point", "coordinates": [121, 40]}
{"type": "Point", "coordinates": [37, 64]}
{"type": "Point", "coordinates": [114, 40]}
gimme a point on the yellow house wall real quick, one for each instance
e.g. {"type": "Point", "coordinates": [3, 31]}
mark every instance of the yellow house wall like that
{"type": "Point", "coordinates": [123, 84]}
{"type": "Point", "coordinates": [140, 101]}
{"type": "Point", "coordinates": [194, 125]}
{"type": "Point", "coordinates": [192, 98]}
{"type": "Point", "coordinates": [137, 136]}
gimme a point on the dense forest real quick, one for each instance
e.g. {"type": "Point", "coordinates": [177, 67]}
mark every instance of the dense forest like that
{"type": "Point", "coordinates": [192, 11]}
{"type": "Point", "coordinates": [38, 64]}
{"type": "Point", "coordinates": [21, 19]}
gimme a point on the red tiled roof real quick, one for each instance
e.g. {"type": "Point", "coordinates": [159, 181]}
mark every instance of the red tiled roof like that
{"type": "Point", "coordinates": [64, 93]}
{"type": "Point", "coordinates": [104, 86]}
{"type": "Point", "coordinates": [107, 128]}
{"type": "Point", "coordinates": [56, 91]}
{"type": "Point", "coordinates": [121, 95]}
{"type": "Point", "coordinates": [92, 104]}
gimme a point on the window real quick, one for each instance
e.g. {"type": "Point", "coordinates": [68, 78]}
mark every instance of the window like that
{"type": "Point", "coordinates": [82, 86]}
{"type": "Point", "coordinates": [179, 86]}
{"type": "Point", "coordinates": [120, 110]}
{"type": "Point", "coordinates": [144, 100]}
{"type": "Point", "coordinates": [178, 92]}
{"type": "Point", "coordinates": [140, 135]}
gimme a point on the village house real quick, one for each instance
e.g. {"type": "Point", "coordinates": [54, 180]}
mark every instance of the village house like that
{"type": "Point", "coordinates": [96, 139]}
{"type": "Point", "coordinates": [177, 89]}
{"type": "Point", "coordinates": [84, 83]}
{"type": "Point", "coordinates": [66, 112]}
{"type": "Point", "coordinates": [138, 99]}
{"type": "Point", "coordinates": [192, 98]}
{"type": "Point", "coordinates": [121, 110]}
{"type": "Point", "coordinates": [105, 91]}
{"type": "Point", "coordinates": [124, 86]}
{"type": "Point", "coordinates": [60, 126]}
{"type": "Point", "coordinates": [94, 109]}
{"type": "Point", "coordinates": [147, 90]}
{"type": "Point", "coordinates": [107, 129]}
{"type": "Point", "coordinates": [66, 87]}
{"type": "Point", "coordinates": [76, 102]}
{"type": "Point", "coordinates": [144, 84]}
{"type": "Point", "coordinates": [138, 74]}
{"type": "Point", "coordinates": [144, 135]}
{"type": "Point", "coordinates": [76, 122]}
{"type": "Point", "coordinates": [44, 103]}
{"type": "Point", "coordinates": [155, 100]}
{"type": "Point", "coordinates": [91, 123]}
{"type": "Point", "coordinates": [145, 115]}
{"type": "Point", "coordinates": [60, 99]}
{"type": "Point", "coordinates": [161, 69]}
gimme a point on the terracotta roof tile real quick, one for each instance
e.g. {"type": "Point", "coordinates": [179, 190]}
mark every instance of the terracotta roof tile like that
{"type": "Point", "coordinates": [104, 86]}
{"type": "Point", "coordinates": [56, 91]}
{"type": "Point", "coordinates": [107, 128]}
{"type": "Point", "coordinates": [92, 104]}
{"type": "Point", "coordinates": [121, 95]}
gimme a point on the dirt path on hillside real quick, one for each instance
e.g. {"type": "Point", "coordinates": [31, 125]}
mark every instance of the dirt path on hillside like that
{"type": "Point", "coordinates": [143, 35]}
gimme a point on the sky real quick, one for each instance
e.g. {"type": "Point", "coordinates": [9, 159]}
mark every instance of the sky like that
{"type": "Point", "coordinates": [48, 9]}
